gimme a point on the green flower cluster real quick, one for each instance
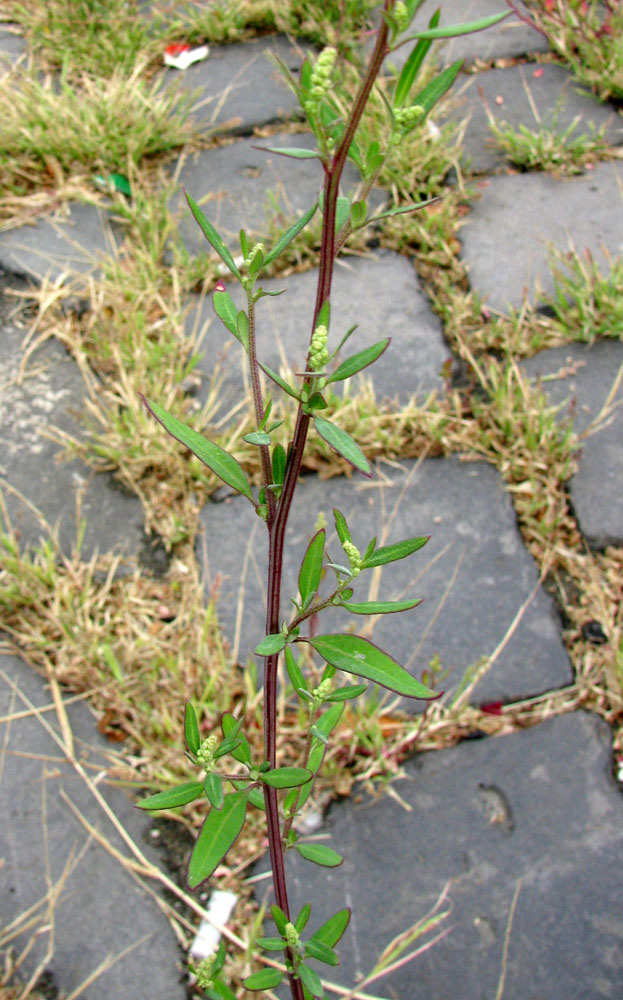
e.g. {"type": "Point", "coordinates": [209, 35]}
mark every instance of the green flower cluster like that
{"type": "Point", "coordinates": [406, 118]}
{"type": "Point", "coordinates": [320, 83]}
{"type": "Point", "coordinates": [204, 972]}
{"type": "Point", "coordinates": [323, 690]}
{"type": "Point", "coordinates": [205, 753]}
{"type": "Point", "coordinates": [401, 15]}
{"type": "Point", "coordinates": [354, 557]}
{"type": "Point", "coordinates": [318, 353]}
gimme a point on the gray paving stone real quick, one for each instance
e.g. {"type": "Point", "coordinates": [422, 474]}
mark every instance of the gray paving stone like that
{"type": "Point", "coordinates": [585, 376]}
{"type": "Point", "coordinates": [383, 292]}
{"type": "Point", "coordinates": [51, 395]}
{"type": "Point", "coordinates": [509, 93]}
{"type": "Point", "coordinates": [12, 44]}
{"type": "Point", "coordinates": [506, 237]}
{"type": "Point", "coordinates": [474, 574]}
{"type": "Point", "coordinates": [239, 86]}
{"type": "Point", "coordinates": [70, 243]}
{"type": "Point", "coordinates": [508, 39]}
{"type": "Point", "coordinates": [235, 180]}
{"type": "Point", "coordinates": [102, 910]}
{"type": "Point", "coordinates": [535, 812]}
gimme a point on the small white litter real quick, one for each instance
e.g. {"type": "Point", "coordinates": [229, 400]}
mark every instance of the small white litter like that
{"type": "Point", "coordinates": [219, 910]}
{"type": "Point", "coordinates": [182, 56]}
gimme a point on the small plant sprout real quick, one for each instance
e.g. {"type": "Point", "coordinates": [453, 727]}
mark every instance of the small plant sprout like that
{"type": "Point", "coordinates": [231, 778]}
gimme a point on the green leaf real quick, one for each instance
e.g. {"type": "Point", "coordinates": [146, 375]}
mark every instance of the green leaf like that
{"type": "Point", "coordinates": [358, 213]}
{"type": "Point", "coordinates": [391, 553]}
{"type": "Point", "coordinates": [324, 316]}
{"type": "Point", "coordinates": [311, 567]}
{"type": "Point", "coordinates": [434, 91]}
{"type": "Point", "coordinates": [279, 917]}
{"type": "Point", "coordinates": [191, 729]}
{"type": "Point", "coordinates": [320, 855]}
{"type": "Point", "coordinates": [454, 30]}
{"type": "Point", "coordinates": [321, 952]}
{"type": "Point", "coordinates": [222, 990]}
{"type": "Point", "coordinates": [301, 921]}
{"type": "Point", "coordinates": [257, 437]}
{"type": "Point", "coordinates": [214, 789]}
{"type": "Point", "coordinates": [286, 238]}
{"type": "Point", "coordinates": [227, 311]}
{"type": "Point", "coordinates": [403, 209]}
{"type": "Point", "coordinates": [380, 607]}
{"type": "Point", "coordinates": [278, 380]}
{"type": "Point", "coordinates": [242, 326]}
{"type": "Point", "coordinates": [342, 213]}
{"type": "Point", "coordinates": [341, 526]}
{"type": "Point", "coordinates": [216, 458]}
{"type": "Point", "coordinates": [220, 830]}
{"type": "Point", "coordinates": [348, 692]}
{"type": "Point", "coordinates": [181, 795]}
{"type": "Point", "coordinates": [263, 980]}
{"type": "Point", "coordinates": [271, 644]}
{"type": "Point", "coordinates": [327, 722]}
{"type": "Point", "coordinates": [343, 444]}
{"type": "Point", "coordinates": [332, 930]}
{"type": "Point", "coordinates": [296, 152]}
{"type": "Point", "coordinates": [271, 943]}
{"type": "Point", "coordinates": [279, 463]}
{"type": "Point", "coordinates": [311, 981]}
{"type": "Point", "coordinates": [356, 655]}
{"type": "Point", "coordinates": [256, 798]}
{"type": "Point", "coordinates": [294, 671]}
{"type": "Point", "coordinates": [413, 65]}
{"type": "Point", "coordinates": [212, 236]}
{"type": "Point", "coordinates": [286, 777]}
{"type": "Point", "coordinates": [357, 362]}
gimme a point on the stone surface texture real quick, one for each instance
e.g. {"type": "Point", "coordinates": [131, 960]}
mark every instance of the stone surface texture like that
{"type": "Point", "coordinates": [589, 378]}
{"type": "Point", "coordinates": [474, 572]}
{"type": "Point", "coordinates": [381, 293]}
{"type": "Point", "coordinates": [535, 814]}
{"type": "Point", "coordinates": [97, 912]}
{"type": "Point", "coordinates": [506, 237]}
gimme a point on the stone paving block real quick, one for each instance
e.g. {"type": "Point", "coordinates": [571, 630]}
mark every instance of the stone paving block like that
{"type": "Point", "coordinates": [508, 39]}
{"type": "Point", "coordinates": [586, 374]}
{"type": "Point", "coordinates": [536, 812]}
{"type": "Point", "coordinates": [509, 94]}
{"type": "Point", "coordinates": [12, 44]}
{"type": "Point", "coordinates": [239, 86]}
{"type": "Point", "coordinates": [102, 911]}
{"type": "Point", "coordinates": [383, 292]}
{"type": "Point", "coordinates": [70, 243]}
{"type": "Point", "coordinates": [506, 237]}
{"type": "Point", "coordinates": [235, 181]}
{"type": "Point", "coordinates": [474, 573]}
{"type": "Point", "coordinates": [51, 395]}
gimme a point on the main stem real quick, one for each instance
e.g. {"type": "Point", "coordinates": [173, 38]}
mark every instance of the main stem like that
{"type": "Point", "coordinates": [277, 525]}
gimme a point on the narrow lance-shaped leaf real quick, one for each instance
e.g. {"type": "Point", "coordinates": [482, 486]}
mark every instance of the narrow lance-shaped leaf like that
{"type": "Point", "coordinates": [286, 238]}
{"type": "Point", "coordinates": [380, 607]}
{"type": "Point", "coordinates": [266, 979]}
{"type": "Point", "coordinates": [191, 728]}
{"type": "Point", "coordinates": [356, 655]}
{"type": "Point", "coordinates": [296, 152]}
{"type": "Point", "coordinates": [220, 830]}
{"type": "Point", "coordinates": [216, 458]}
{"type": "Point", "coordinates": [181, 795]}
{"type": "Point", "coordinates": [320, 951]}
{"type": "Point", "coordinates": [320, 855]}
{"type": "Point", "coordinates": [391, 553]}
{"type": "Point", "coordinates": [357, 362]}
{"type": "Point", "coordinates": [294, 671]}
{"type": "Point", "coordinates": [455, 30]}
{"type": "Point", "coordinates": [434, 91]}
{"type": "Point", "coordinates": [311, 981]}
{"type": "Point", "coordinates": [332, 930]}
{"type": "Point", "coordinates": [227, 311]}
{"type": "Point", "coordinates": [311, 567]}
{"type": "Point", "coordinates": [270, 645]}
{"type": "Point", "coordinates": [343, 444]}
{"type": "Point", "coordinates": [230, 725]}
{"type": "Point", "coordinates": [341, 526]}
{"type": "Point", "coordinates": [213, 786]}
{"type": "Point", "coordinates": [286, 777]}
{"type": "Point", "coordinates": [212, 236]}
{"type": "Point", "coordinates": [413, 65]}
{"type": "Point", "coordinates": [278, 380]}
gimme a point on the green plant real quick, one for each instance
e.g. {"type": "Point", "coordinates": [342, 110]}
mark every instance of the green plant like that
{"type": "Point", "coordinates": [549, 148]}
{"type": "Point", "coordinates": [225, 756]}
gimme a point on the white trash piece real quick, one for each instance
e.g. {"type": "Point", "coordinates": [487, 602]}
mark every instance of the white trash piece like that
{"type": "Point", "coordinates": [219, 909]}
{"type": "Point", "coordinates": [182, 56]}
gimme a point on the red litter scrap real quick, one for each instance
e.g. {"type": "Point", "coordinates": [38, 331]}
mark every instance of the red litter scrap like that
{"type": "Point", "coordinates": [180, 55]}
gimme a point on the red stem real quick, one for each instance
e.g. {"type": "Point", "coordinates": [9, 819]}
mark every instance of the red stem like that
{"type": "Point", "coordinates": [277, 528]}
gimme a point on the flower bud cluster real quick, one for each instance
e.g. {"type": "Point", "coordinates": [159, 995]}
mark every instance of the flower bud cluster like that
{"type": "Point", "coordinates": [318, 353]}
{"type": "Point", "coordinates": [205, 753]}
{"type": "Point", "coordinates": [401, 15]}
{"type": "Point", "coordinates": [406, 118]}
{"type": "Point", "coordinates": [203, 972]}
{"type": "Point", "coordinates": [293, 940]}
{"type": "Point", "coordinates": [258, 248]}
{"type": "Point", "coordinates": [320, 83]}
{"type": "Point", "coordinates": [323, 690]}
{"type": "Point", "coordinates": [354, 557]}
